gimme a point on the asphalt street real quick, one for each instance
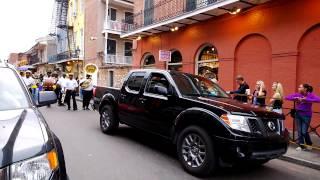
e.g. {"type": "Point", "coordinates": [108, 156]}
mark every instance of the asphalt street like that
{"type": "Point", "coordinates": [131, 154]}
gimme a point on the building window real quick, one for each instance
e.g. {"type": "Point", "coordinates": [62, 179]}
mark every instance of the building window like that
{"type": "Point", "coordinates": [191, 5]}
{"type": "Point", "coordinates": [176, 62]}
{"type": "Point", "coordinates": [111, 46]}
{"type": "Point", "coordinates": [128, 17]}
{"type": "Point", "coordinates": [148, 61]}
{"type": "Point", "coordinates": [148, 12]}
{"type": "Point", "coordinates": [112, 13]}
{"type": "Point", "coordinates": [207, 63]}
{"type": "Point", "coordinates": [128, 49]}
{"type": "Point", "coordinates": [111, 78]}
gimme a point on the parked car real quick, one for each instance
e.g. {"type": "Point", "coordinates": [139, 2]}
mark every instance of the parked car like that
{"type": "Point", "coordinates": [208, 128]}
{"type": "Point", "coordinates": [28, 148]}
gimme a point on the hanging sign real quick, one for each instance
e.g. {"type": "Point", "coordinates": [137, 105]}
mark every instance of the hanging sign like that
{"type": "Point", "coordinates": [164, 55]}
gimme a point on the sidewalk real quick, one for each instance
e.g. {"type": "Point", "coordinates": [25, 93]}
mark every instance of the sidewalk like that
{"type": "Point", "coordinates": [305, 158]}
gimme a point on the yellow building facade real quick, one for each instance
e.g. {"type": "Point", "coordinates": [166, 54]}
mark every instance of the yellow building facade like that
{"type": "Point", "coordinates": [76, 17]}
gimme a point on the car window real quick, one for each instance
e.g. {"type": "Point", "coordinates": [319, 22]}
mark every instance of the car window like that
{"type": "Point", "coordinates": [155, 80]}
{"type": "Point", "coordinates": [135, 81]}
{"type": "Point", "coordinates": [12, 94]}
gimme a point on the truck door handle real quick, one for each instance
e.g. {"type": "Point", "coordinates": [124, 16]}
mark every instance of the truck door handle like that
{"type": "Point", "coordinates": [142, 100]}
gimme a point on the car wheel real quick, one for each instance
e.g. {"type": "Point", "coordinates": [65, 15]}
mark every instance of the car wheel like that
{"type": "Point", "coordinates": [108, 122]}
{"type": "Point", "coordinates": [196, 151]}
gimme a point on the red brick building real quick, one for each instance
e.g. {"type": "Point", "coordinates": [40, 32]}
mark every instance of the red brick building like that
{"type": "Point", "coordinates": [276, 40]}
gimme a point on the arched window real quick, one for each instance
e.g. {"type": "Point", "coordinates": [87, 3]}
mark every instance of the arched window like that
{"type": "Point", "coordinates": [176, 61]}
{"type": "Point", "coordinates": [148, 61]}
{"type": "Point", "coordinates": [207, 62]}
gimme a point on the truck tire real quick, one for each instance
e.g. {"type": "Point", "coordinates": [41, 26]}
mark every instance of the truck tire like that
{"type": "Point", "coordinates": [108, 122]}
{"type": "Point", "coordinates": [195, 150]}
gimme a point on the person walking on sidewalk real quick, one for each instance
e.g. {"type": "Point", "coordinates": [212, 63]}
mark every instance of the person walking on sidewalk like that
{"type": "Point", "coordinates": [304, 99]}
{"type": "Point", "coordinates": [277, 98]}
{"type": "Point", "coordinates": [87, 91]}
{"type": "Point", "coordinates": [241, 93]}
{"type": "Point", "coordinates": [70, 87]}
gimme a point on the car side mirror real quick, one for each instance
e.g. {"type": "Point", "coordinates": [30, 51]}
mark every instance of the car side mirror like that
{"type": "Point", "coordinates": [161, 90]}
{"type": "Point", "coordinates": [46, 98]}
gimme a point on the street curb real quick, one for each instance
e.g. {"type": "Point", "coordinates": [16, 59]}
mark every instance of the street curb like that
{"type": "Point", "coordinates": [301, 162]}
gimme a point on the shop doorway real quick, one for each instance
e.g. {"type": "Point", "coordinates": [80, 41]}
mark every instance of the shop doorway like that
{"type": "Point", "coordinates": [148, 61]}
{"type": "Point", "coordinates": [176, 61]}
{"type": "Point", "coordinates": [207, 62]}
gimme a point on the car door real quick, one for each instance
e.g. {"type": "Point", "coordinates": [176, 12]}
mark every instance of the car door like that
{"type": "Point", "coordinates": [129, 105]}
{"type": "Point", "coordinates": [159, 108]}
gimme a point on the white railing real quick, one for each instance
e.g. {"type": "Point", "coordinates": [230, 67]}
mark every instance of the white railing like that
{"type": "Point", "coordinates": [118, 59]}
{"type": "Point", "coordinates": [117, 26]}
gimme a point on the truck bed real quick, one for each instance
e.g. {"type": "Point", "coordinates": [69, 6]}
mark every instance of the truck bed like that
{"type": "Point", "coordinates": [100, 91]}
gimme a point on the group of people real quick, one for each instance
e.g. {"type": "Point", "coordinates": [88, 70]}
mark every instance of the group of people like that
{"type": "Point", "coordinates": [303, 100]}
{"type": "Point", "coordinates": [66, 88]}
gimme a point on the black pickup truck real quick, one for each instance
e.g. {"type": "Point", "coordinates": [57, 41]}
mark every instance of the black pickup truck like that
{"type": "Point", "coordinates": [208, 127]}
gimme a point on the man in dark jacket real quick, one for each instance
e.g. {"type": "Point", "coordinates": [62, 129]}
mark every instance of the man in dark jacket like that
{"type": "Point", "coordinates": [241, 93]}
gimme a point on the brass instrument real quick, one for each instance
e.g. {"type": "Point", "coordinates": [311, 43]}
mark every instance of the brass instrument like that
{"type": "Point", "coordinates": [91, 69]}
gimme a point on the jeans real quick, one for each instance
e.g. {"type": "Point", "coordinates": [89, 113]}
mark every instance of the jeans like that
{"type": "Point", "coordinates": [303, 124]}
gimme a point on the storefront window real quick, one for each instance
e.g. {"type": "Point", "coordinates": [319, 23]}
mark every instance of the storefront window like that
{"type": "Point", "coordinates": [208, 63]}
{"type": "Point", "coordinates": [149, 61]}
{"type": "Point", "coordinates": [176, 61]}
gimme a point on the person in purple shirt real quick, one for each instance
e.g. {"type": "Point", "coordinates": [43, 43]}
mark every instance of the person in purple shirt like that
{"type": "Point", "coordinates": [304, 99]}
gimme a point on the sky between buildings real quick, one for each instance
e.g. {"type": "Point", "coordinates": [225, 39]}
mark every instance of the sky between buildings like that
{"type": "Point", "coordinates": [21, 23]}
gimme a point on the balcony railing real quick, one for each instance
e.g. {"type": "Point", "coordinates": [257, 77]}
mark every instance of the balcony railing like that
{"type": "Point", "coordinates": [117, 26]}
{"type": "Point", "coordinates": [63, 56]}
{"type": "Point", "coordinates": [118, 59]}
{"type": "Point", "coordinates": [167, 9]}
{"type": "Point", "coordinates": [34, 60]}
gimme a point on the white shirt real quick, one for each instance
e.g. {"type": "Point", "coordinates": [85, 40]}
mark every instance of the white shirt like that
{"type": "Point", "coordinates": [89, 88]}
{"type": "Point", "coordinates": [62, 82]}
{"type": "Point", "coordinates": [71, 84]}
{"type": "Point", "coordinates": [29, 81]}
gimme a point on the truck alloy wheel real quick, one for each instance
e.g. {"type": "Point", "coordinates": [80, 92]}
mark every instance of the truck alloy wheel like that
{"type": "Point", "coordinates": [108, 122]}
{"type": "Point", "coordinates": [195, 151]}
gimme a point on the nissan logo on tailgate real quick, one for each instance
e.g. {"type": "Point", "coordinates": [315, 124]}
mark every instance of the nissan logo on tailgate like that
{"type": "Point", "coordinates": [271, 126]}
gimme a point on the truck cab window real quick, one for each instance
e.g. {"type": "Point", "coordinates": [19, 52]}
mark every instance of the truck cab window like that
{"type": "Point", "coordinates": [155, 81]}
{"type": "Point", "coordinates": [135, 81]}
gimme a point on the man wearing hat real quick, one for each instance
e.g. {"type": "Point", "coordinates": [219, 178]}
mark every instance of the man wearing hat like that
{"type": "Point", "coordinates": [70, 86]}
{"type": "Point", "coordinates": [28, 80]}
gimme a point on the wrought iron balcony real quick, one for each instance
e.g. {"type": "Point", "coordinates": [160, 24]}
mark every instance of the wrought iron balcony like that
{"type": "Point", "coordinates": [34, 59]}
{"type": "Point", "coordinates": [63, 56]}
{"type": "Point", "coordinates": [165, 14]}
{"type": "Point", "coordinates": [118, 59]}
{"type": "Point", "coordinates": [116, 26]}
